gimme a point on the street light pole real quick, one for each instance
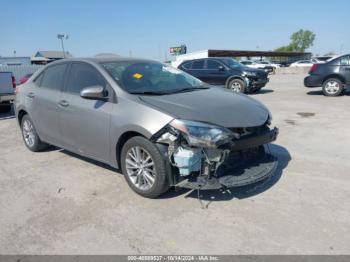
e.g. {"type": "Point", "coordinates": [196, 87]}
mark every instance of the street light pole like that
{"type": "Point", "coordinates": [61, 37]}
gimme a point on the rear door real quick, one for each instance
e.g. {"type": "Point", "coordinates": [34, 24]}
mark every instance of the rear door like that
{"type": "Point", "coordinates": [197, 70]}
{"type": "Point", "coordinates": [85, 123]}
{"type": "Point", "coordinates": [345, 68]}
{"type": "Point", "coordinates": [42, 102]}
{"type": "Point", "coordinates": [217, 72]}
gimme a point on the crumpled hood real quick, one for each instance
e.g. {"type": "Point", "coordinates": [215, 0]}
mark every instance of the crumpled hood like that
{"type": "Point", "coordinates": [215, 105]}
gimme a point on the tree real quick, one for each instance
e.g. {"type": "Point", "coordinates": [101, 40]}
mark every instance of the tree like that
{"type": "Point", "coordinates": [300, 41]}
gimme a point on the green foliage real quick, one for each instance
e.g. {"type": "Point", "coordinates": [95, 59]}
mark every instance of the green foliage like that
{"type": "Point", "coordinates": [300, 41]}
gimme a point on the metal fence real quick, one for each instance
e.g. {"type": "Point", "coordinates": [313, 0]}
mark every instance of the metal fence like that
{"type": "Point", "coordinates": [20, 71]}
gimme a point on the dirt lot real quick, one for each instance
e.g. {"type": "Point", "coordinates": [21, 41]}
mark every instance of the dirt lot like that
{"type": "Point", "coordinates": [58, 203]}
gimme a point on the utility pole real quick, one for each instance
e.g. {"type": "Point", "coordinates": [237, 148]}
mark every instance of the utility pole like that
{"type": "Point", "coordinates": [61, 37]}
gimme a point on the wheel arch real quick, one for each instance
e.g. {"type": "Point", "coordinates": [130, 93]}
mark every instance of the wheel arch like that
{"type": "Point", "coordinates": [234, 77]}
{"type": "Point", "coordinates": [336, 76]}
{"type": "Point", "coordinates": [121, 142]}
{"type": "Point", "coordinates": [21, 113]}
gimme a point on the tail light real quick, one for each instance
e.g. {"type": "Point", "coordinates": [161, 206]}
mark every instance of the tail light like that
{"type": "Point", "coordinates": [13, 82]}
{"type": "Point", "coordinates": [313, 68]}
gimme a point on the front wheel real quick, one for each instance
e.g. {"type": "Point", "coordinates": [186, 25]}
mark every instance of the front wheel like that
{"type": "Point", "coordinates": [332, 87]}
{"type": "Point", "coordinates": [144, 168]}
{"type": "Point", "coordinates": [237, 85]}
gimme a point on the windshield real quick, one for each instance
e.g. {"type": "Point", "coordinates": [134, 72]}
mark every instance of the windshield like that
{"type": "Point", "coordinates": [232, 63]}
{"type": "Point", "coordinates": [151, 77]}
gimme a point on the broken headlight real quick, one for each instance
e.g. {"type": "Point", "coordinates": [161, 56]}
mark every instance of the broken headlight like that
{"type": "Point", "coordinates": [199, 134]}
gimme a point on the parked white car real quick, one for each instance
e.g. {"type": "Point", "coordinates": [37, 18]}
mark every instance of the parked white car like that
{"type": "Point", "coordinates": [264, 63]}
{"type": "Point", "coordinates": [302, 63]}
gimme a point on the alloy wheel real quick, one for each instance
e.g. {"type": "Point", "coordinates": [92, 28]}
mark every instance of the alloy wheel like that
{"type": "Point", "coordinates": [28, 133]}
{"type": "Point", "coordinates": [140, 168]}
{"type": "Point", "coordinates": [332, 87]}
{"type": "Point", "coordinates": [236, 86]}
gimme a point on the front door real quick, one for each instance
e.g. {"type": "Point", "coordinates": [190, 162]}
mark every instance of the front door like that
{"type": "Point", "coordinates": [85, 123]}
{"type": "Point", "coordinates": [217, 73]}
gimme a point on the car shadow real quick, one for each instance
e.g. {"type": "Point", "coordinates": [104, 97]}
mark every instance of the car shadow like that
{"type": "Point", "coordinates": [210, 196]}
{"type": "Point", "coordinates": [89, 160]}
{"type": "Point", "coordinates": [9, 115]}
{"type": "Point", "coordinates": [320, 93]}
{"type": "Point", "coordinates": [263, 91]}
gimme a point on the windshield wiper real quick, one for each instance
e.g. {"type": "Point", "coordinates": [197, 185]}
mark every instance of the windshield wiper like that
{"type": "Point", "coordinates": [149, 93]}
{"type": "Point", "coordinates": [189, 89]}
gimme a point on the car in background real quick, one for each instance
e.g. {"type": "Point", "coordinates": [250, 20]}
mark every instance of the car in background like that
{"type": "Point", "coordinates": [333, 76]}
{"type": "Point", "coordinates": [7, 91]}
{"type": "Point", "coordinates": [321, 59]}
{"type": "Point", "coordinates": [25, 78]}
{"type": "Point", "coordinates": [302, 63]}
{"type": "Point", "coordinates": [160, 125]}
{"type": "Point", "coordinates": [226, 72]}
{"type": "Point", "coordinates": [267, 66]}
{"type": "Point", "coordinates": [267, 63]}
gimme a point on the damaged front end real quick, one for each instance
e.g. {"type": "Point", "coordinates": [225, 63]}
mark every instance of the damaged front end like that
{"type": "Point", "coordinates": [205, 156]}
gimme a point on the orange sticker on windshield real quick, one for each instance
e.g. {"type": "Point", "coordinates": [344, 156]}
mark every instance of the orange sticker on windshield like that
{"type": "Point", "coordinates": [137, 75]}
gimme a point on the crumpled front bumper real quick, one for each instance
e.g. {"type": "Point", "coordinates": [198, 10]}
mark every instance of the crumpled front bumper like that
{"type": "Point", "coordinates": [243, 174]}
{"type": "Point", "coordinates": [248, 163]}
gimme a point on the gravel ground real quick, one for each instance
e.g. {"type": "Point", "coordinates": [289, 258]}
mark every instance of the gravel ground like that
{"type": "Point", "coordinates": [55, 202]}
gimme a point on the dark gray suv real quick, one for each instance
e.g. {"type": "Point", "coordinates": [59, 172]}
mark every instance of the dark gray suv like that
{"type": "Point", "coordinates": [333, 76]}
{"type": "Point", "coordinates": [161, 126]}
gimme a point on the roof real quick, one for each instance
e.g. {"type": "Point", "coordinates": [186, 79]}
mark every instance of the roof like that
{"type": "Point", "coordinates": [52, 54]}
{"type": "Point", "coordinates": [231, 53]}
{"type": "Point", "coordinates": [103, 59]}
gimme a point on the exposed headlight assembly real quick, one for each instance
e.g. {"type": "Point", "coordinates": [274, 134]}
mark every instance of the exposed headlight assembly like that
{"type": "Point", "coordinates": [249, 73]}
{"type": "Point", "coordinates": [199, 134]}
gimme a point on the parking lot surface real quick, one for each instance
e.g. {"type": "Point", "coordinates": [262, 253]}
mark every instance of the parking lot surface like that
{"type": "Point", "coordinates": [55, 202]}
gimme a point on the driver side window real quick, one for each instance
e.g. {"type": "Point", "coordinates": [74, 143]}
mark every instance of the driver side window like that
{"type": "Point", "coordinates": [83, 75]}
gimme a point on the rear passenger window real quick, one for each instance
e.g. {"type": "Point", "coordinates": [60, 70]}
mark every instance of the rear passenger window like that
{"type": "Point", "coordinates": [211, 64]}
{"type": "Point", "coordinates": [53, 77]}
{"type": "Point", "coordinates": [198, 64]}
{"type": "Point", "coordinates": [187, 65]}
{"type": "Point", "coordinates": [83, 75]}
{"type": "Point", "coordinates": [344, 61]}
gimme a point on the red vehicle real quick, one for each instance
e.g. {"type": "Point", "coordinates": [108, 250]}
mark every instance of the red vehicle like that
{"type": "Point", "coordinates": [25, 78]}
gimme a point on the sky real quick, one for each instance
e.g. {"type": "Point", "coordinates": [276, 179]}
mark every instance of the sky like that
{"type": "Point", "coordinates": [147, 28]}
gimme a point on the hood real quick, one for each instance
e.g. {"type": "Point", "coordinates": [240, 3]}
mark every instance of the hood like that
{"type": "Point", "coordinates": [214, 105]}
{"type": "Point", "coordinates": [250, 69]}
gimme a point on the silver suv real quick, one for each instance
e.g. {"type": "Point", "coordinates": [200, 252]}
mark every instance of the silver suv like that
{"type": "Point", "coordinates": [161, 126]}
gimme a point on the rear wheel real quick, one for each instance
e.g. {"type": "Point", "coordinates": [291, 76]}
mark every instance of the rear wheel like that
{"type": "Point", "coordinates": [237, 85]}
{"type": "Point", "coordinates": [332, 87]}
{"type": "Point", "coordinates": [30, 136]}
{"type": "Point", "coordinates": [144, 168]}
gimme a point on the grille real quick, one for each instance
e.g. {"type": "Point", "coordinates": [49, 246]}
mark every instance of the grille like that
{"type": "Point", "coordinates": [244, 131]}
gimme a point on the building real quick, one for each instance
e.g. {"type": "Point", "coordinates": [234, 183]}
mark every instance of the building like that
{"type": "Point", "coordinates": [15, 61]}
{"type": "Point", "coordinates": [43, 57]}
{"type": "Point", "coordinates": [238, 54]}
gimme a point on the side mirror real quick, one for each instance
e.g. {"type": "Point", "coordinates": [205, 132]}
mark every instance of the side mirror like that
{"type": "Point", "coordinates": [94, 93]}
{"type": "Point", "coordinates": [221, 68]}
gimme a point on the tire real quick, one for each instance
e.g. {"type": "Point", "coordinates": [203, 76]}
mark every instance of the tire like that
{"type": "Point", "coordinates": [333, 87]}
{"type": "Point", "coordinates": [138, 175]}
{"type": "Point", "coordinates": [5, 108]}
{"type": "Point", "coordinates": [30, 136]}
{"type": "Point", "coordinates": [237, 85]}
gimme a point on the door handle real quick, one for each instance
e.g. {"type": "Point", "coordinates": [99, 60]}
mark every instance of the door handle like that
{"type": "Point", "coordinates": [31, 95]}
{"type": "Point", "coordinates": [63, 103]}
